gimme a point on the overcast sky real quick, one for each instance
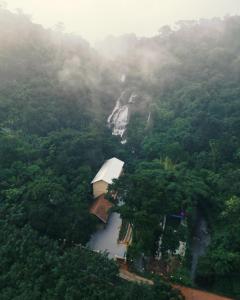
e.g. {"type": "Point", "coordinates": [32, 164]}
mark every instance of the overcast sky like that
{"type": "Point", "coordinates": [96, 19]}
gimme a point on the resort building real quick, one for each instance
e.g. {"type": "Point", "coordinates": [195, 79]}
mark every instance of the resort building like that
{"type": "Point", "coordinates": [111, 169]}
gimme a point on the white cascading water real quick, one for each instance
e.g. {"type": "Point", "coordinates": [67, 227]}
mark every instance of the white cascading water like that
{"type": "Point", "coordinates": [119, 117]}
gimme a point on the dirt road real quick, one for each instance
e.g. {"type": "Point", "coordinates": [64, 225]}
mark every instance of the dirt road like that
{"type": "Point", "coordinates": [189, 293]}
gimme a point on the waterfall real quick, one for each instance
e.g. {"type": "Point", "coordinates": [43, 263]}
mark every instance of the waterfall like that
{"type": "Point", "coordinates": [119, 117]}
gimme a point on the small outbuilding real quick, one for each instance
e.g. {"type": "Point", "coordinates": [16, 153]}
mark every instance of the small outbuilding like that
{"type": "Point", "coordinates": [111, 169]}
{"type": "Point", "coordinates": [100, 208]}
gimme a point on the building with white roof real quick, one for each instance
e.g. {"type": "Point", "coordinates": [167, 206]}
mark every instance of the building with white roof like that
{"type": "Point", "coordinates": [111, 169]}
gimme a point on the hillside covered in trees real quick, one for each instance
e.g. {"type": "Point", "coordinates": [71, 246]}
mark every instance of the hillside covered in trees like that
{"type": "Point", "coordinates": [182, 154]}
{"type": "Point", "coordinates": [183, 148]}
{"type": "Point", "coordinates": [53, 105]}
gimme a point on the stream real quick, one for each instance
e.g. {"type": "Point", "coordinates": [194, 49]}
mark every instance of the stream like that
{"type": "Point", "coordinates": [200, 242]}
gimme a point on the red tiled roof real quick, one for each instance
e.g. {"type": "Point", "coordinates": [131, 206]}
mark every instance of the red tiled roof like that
{"type": "Point", "coordinates": [100, 208]}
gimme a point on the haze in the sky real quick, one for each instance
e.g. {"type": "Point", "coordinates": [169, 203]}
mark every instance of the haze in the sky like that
{"type": "Point", "coordinates": [96, 19]}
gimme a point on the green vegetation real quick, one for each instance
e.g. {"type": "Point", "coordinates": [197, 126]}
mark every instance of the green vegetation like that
{"type": "Point", "coordinates": [187, 156]}
{"type": "Point", "coordinates": [34, 267]}
{"type": "Point", "coordinates": [53, 138]}
{"type": "Point", "coordinates": [55, 95]}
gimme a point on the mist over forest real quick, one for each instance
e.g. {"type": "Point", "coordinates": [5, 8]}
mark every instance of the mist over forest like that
{"type": "Point", "coordinates": [180, 145]}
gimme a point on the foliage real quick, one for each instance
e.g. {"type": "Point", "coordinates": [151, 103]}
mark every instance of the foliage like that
{"type": "Point", "coordinates": [54, 99]}
{"type": "Point", "coordinates": [34, 267]}
{"type": "Point", "coordinates": [182, 151]}
{"type": "Point", "coordinates": [192, 77]}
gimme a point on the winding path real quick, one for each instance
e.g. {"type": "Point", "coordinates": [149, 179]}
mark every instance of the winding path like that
{"type": "Point", "coordinates": [188, 293]}
{"type": "Point", "coordinates": [194, 294]}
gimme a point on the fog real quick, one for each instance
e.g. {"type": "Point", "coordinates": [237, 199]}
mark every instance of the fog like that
{"type": "Point", "coordinates": [173, 101]}
{"type": "Point", "coordinates": [149, 66]}
{"type": "Point", "coordinates": [95, 19]}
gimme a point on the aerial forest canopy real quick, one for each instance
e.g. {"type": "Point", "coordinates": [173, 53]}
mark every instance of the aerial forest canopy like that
{"type": "Point", "coordinates": [182, 153]}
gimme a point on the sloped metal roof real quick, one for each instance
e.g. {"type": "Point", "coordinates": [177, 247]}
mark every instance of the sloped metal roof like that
{"type": "Point", "coordinates": [110, 170]}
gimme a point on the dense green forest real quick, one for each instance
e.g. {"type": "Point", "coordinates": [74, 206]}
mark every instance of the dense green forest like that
{"type": "Point", "coordinates": [186, 157]}
{"type": "Point", "coordinates": [182, 153]}
{"type": "Point", "coordinates": [53, 138]}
